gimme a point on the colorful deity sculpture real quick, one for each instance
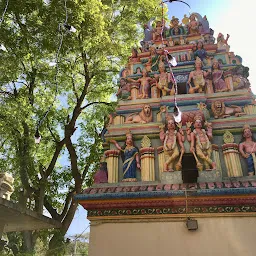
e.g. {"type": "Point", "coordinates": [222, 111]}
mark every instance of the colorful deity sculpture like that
{"type": "Point", "coordinates": [222, 43]}
{"type": "Point", "coordinates": [163, 81]}
{"type": "Point", "coordinates": [217, 78]}
{"type": "Point", "coordinates": [247, 148]}
{"type": "Point", "coordinates": [157, 32]}
{"type": "Point", "coordinates": [171, 138]}
{"type": "Point", "coordinates": [200, 52]}
{"type": "Point", "coordinates": [175, 28]}
{"type": "Point", "coordinates": [124, 92]}
{"type": "Point", "coordinates": [144, 84]}
{"type": "Point", "coordinates": [200, 145]}
{"type": "Point", "coordinates": [193, 25]}
{"type": "Point", "coordinates": [240, 81]}
{"type": "Point", "coordinates": [198, 77]}
{"type": "Point", "coordinates": [153, 60]}
{"type": "Point", "coordinates": [130, 157]}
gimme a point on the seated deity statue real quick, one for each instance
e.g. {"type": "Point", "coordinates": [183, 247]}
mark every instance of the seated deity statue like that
{"type": "Point", "coordinates": [176, 28]}
{"type": "Point", "coordinates": [200, 144]}
{"type": "Point", "coordinates": [198, 77]}
{"type": "Point", "coordinates": [171, 138]}
{"type": "Point", "coordinates": [239, 78]}
{"type": "Point", "coordinates": [157, 32]}
{"type": "Point", "coordinates": [163, 81]}
{"type": "Point", "coordinates": [124, 92]}
{"type": "Point", "coordinates": [153, 60]}
{"type": "Point", "coordinates": [247, 149]}
{"type": "Point", "coordinates": [193, 25]}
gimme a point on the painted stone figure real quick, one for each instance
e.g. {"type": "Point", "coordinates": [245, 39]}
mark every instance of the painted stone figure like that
{"type": "Point", "coordinates": [144, 84]}
{"type": "Point", "coordinates": [176, 28]}
{"type": "Point", "coordinates": [193, 50]}
{"type": "Point", "coordinates": [143, 117]}
{"type": "Point", "coordinates": [247, 148]}
{"type": "Point", "coordinates": [193, 25]}
{"type": "Point", "coordinates": [222, 43]}
{"type": "Point", "coordinates": [124, 92]}
{"type": "Point", "coordinates": [219, 110]}
{"type": "Point", "coordinates": [153, 61]}
{"type": "Point", "coordinates": [200, 144]}
{"type": "Point", "coordinates": [200, 52]}
{"type": "Point", "coordinates": [240, 80]}
{"type": "Point", "coordinates": [130, 157]}
{"type": "Point", "coordinates": [198, 77]}
{"type": "Point", "coordinates": [163, 81]}
{"type": "Point", "coordinates": [217, 78]}
{"type": "Point", "coordinates": [171, 138]}
{"type": "Point", "coordinates": [101, 176]}
{"type": "Point", "coordinates": [157, 32]}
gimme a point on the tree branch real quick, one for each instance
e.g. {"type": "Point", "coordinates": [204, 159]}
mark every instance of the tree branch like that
{"type": "Point", "coordinates": [50, 130]}
{"type": "Point", "coordinates": [74, 166]}
{"type": "Point", "coordinates": [58, 148]}
{"type": "Point", "coordinates": [74, 87]}
{"type": "Point", "coordinates": [95, 102]}
{"type": "Point", "coordinates": [51, 210]}
{"type": "Point", "coordinates": [67, 204]}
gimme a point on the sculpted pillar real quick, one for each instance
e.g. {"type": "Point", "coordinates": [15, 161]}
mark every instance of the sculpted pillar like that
{"type": "Point", "coordinates": [134, 91]}
{"type": "Point", "coordinates": [160, 153]}
{"type": "Point", "coordinates": [250, 109]}
{"type": "Point", "coordinates": [147, 160]}
{"type": "Point", "coordinates": [216, 156]}
{"type": "Point", "coordinates": [112, 164]}
{"type": "Point", "coordinates": [231, 156]}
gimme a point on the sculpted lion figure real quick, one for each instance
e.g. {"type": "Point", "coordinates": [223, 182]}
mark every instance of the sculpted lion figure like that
{"type": "Point", "coordinates": [221, 111]}
{"type": "Point", "coordinates": [143, 117]}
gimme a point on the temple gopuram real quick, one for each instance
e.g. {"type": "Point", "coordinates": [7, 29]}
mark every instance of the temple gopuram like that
{"type": "Point", "coordinates": [178, 172]}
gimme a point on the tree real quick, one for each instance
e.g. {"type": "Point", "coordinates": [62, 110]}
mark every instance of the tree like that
{"type": "Point", "coordinates": [60, 82]}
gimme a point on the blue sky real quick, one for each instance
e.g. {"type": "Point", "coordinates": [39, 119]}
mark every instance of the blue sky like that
{"type": "Point", "coordinates": [232, 17]}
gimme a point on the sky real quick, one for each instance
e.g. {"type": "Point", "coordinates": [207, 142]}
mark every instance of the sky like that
{"type": "Point", "coordinates": [233, 17]}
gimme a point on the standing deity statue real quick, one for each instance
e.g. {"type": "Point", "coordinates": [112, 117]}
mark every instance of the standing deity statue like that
{"type": "Point", "coordinates": [200, 144]}
{"type": "Point", "coordinates": [130, 157]}
{"type": "Point", "coordinates": [144, 84]}
{"type": "Point", "coordinates": [217, 78]}
{"type": "Point", "coordinates": [198, 77]}
{"type": "Point", "coordinates": [247, 148]}
{"type": "Point", "coordinates": [222, 43]}
{"type": "Point", "coordinates": [171, 138]}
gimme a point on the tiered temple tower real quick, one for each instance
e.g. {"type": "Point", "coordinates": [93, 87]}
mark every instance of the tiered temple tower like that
{"type": "Point", "coordinates": [165, 173]}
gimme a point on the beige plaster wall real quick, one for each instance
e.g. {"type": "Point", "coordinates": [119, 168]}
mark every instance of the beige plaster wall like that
{"type": "Point", "coordinates": [215, 236]}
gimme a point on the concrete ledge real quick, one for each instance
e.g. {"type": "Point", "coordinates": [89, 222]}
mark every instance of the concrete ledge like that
{"type": "Point", "coordinates": [15, 218]}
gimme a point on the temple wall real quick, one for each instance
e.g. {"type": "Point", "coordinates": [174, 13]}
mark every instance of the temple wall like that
{"type": "Point", "coordinates": [215, 236]}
